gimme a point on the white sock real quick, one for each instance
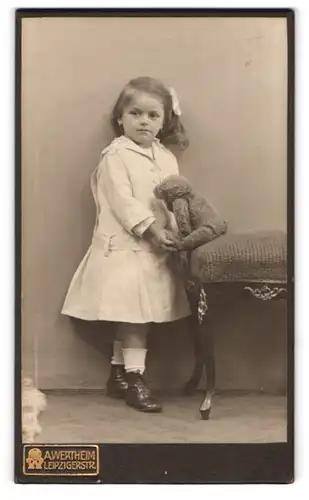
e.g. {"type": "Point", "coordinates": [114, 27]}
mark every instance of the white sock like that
{"type": "Point", "coordinates": [134, 360]}
{"type": "Point", "coordinates": [117, 358]}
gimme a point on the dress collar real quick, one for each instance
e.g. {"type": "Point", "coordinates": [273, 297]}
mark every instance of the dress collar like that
{"type": "Point", "coordinates": [124, 142]}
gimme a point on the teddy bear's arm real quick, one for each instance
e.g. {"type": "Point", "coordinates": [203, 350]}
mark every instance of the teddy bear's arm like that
{"type": "Point", "coordinates": [182, 216]}
{"type": "Point", "coordinates": [197, 238]}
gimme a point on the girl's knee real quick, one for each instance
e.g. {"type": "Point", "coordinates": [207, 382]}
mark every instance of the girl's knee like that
{"type": "Point", "coordinates": [132, 333]}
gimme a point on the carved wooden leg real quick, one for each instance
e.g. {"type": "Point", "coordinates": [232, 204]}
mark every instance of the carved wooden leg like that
{"type": "Point", "coordinates": [196, 376]}
{"type": "Point", "coordinates": [207, 342]}
{"type": "Point", "coordinates": [193, 294]}
{"type": "Point", "coordinates": [201, 328]}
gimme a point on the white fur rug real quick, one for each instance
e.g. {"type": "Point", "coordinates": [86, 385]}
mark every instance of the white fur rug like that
{"type": "Point", "coordinates": [33, 403]}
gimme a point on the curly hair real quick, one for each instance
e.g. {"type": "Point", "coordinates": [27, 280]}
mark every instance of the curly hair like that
{"type": "Point", "coordinates": [173, 131]}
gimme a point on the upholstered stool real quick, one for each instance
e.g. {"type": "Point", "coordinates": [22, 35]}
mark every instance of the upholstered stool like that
{"type": "Point", "coordinates": [252, 263]}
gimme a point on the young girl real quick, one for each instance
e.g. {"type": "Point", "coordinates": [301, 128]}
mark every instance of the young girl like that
{"type": "Point", "coordinates": [128, 274]}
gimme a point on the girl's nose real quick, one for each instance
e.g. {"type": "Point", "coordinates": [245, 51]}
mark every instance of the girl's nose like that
{"type": "Point", "coordinates": [144, 120]}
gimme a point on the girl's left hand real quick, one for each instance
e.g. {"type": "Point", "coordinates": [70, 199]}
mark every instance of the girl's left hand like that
{"type": "Point", "coordinates": [160, 238]}
{"type": "Point", "coordinates": [165, 241]}
{"type": "Point", "coordinates": [175, 239]}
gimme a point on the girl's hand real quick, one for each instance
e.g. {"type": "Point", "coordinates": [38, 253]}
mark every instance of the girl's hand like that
{"type": "Point", "coordinates": [165, 240]}
{"type": "Point", "coordinates": [160, 238]}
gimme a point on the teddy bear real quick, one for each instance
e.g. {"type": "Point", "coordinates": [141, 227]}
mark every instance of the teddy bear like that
{"type": "Point", "coordinates": [198, 221]}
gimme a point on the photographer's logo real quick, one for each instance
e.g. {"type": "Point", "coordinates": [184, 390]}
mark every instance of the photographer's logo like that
{"type": "Point", "coordinates": [61, 460]}
{"type": "Point", "coordinates": [34, 459]}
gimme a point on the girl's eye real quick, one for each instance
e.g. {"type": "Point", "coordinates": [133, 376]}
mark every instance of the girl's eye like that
{"type": "Point", "coordinates": [154, 115]}
{"type": "Point", "coordinates": [133, 112]}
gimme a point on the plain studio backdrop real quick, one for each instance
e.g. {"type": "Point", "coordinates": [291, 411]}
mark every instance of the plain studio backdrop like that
{"type": "Point", "coordinates": [231, 77]}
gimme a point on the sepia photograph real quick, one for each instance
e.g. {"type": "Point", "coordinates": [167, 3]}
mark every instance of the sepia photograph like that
{"type": "Point", "coordinates": [155, 229]}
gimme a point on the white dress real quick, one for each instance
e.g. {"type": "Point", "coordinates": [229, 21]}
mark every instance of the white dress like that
{"type": "Point", "coordinates": [123, 277]}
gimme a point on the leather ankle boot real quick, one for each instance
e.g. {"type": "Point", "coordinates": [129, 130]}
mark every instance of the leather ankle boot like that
{"type": "Point", "coordinates": [139, 396]}
{"type": "Point", "coordinates": [116, 386]}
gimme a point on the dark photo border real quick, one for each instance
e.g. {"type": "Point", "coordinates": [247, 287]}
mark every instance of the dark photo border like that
{"type": "Point", "coordinates": [172, 463]}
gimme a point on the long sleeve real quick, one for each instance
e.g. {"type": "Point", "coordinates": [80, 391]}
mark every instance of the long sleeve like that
{"type": "Point", "coordinates": [114, 181]}
{"type": "Point", "coordinates": [140, 228]}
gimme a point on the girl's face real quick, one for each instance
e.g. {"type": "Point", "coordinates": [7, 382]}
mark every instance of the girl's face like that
{"type": "Point", "coordinates": [143, 119]}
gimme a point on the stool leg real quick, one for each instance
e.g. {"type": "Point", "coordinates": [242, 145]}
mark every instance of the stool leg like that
{"type": "Point", "coordinates": [207, 342]}
{"type": "Point", "coordinates": [196, 376]}
{"type": "Point", "coordinates": [193, 294]}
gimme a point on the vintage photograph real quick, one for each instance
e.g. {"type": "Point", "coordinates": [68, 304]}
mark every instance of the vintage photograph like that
{"type": "Point", "coordinates": [154, 228]}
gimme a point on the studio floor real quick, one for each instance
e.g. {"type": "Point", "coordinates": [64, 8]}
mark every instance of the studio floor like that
{"type": "Point", "coordinates": [94, 418]}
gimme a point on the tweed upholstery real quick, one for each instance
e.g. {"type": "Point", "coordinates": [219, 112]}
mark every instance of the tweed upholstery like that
{"type": "Point", "coordinates": [252, 256]}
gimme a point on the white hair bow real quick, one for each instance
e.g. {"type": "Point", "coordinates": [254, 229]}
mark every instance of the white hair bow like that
{"type": "Point", "coordinates": [175, 101]}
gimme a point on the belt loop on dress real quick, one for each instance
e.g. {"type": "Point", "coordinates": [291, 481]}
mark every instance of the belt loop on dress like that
{"type": "Point", "coordinates": [106, 246]}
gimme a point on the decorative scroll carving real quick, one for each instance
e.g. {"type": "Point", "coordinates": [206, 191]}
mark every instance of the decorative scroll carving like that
{"type": "Point", "coordinates": [265, 293]}
{"type": "Point", "coordinates": [202, 307]}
